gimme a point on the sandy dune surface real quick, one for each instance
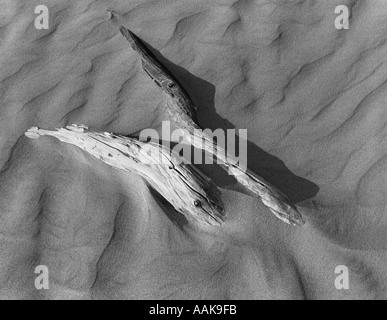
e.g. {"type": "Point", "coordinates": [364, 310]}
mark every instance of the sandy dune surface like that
{"type": "Point", "coordinates": [313, 99]}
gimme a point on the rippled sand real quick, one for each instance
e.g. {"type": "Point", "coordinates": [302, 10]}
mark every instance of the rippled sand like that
{"type": "Point", "coordinates": [313, 99]}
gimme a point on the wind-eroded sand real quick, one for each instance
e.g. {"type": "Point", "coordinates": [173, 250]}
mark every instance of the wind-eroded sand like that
{"type": "Point", "coordinates": [312, 98]}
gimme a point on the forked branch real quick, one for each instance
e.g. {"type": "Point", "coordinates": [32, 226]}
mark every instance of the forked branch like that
{"type": "Point", "coordinates": [183, 112]}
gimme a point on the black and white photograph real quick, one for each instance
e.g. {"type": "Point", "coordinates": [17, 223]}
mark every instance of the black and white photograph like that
{"type": "Point", "coordinates": [193, 154]}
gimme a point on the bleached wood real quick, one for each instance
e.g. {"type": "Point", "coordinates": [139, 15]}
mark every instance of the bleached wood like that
{"type": "Point", "coordinates": [181, 184]}
{"type": "Point", "coordinates": [183, 112]}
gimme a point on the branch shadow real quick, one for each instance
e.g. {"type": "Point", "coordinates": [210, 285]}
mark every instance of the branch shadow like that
{"type": "Point", "coordinates": [174, 216]}
{"type": "Point", "coordinates": [271, 168]}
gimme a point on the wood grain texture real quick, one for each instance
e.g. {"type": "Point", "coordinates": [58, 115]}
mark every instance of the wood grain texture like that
{"type": "Point", "coordinates": [182, 111]}
{"type": "Point", "coordinates": [181, 184]}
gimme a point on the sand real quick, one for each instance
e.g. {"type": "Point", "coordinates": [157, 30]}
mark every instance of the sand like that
{"type": "Point", "coordinates": [311, 97]}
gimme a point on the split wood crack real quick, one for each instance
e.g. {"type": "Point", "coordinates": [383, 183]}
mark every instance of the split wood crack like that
{"type": "Point", "coordinates": [184, 186]}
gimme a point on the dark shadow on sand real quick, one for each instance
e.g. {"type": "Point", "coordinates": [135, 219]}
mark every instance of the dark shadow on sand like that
{"type": "Point", "coordinates": [177, 218]}
{"type": "Point", "coordinates": [268, 166]}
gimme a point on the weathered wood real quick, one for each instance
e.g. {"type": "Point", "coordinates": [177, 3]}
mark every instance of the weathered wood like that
{"type": "Point", "coordinates": [183, 112]}
{"type": "Point", "coordinates": [184, 186]}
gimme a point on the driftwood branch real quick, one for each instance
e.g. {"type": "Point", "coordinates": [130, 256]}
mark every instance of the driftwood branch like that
{"type": "Point", "coordinates": [181, 184]}
{"type": "Point", "coordinates": [184, 186]}
{"type": "Point", "coordinates": [183, 112]}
